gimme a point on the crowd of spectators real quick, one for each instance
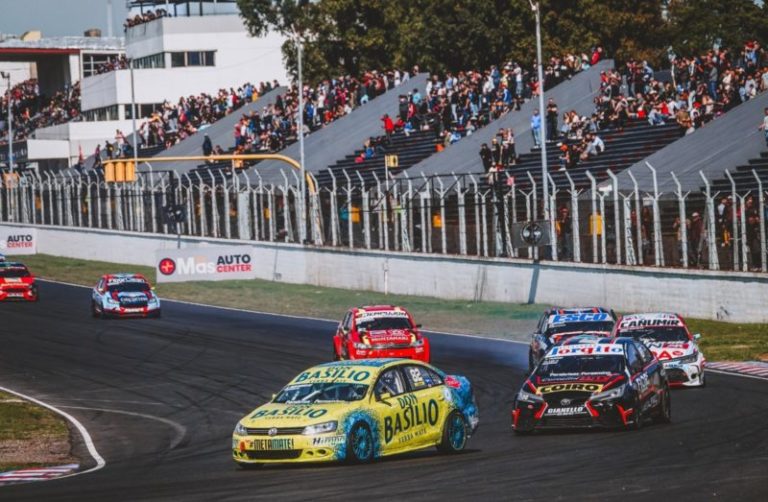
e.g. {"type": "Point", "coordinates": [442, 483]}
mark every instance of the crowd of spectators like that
{"type": "Point", "coordinates": [31, 109]}
{"type": "Point", "coordinates": [144, 17]}
{"type": "Point", "coordinates": [115, 63]}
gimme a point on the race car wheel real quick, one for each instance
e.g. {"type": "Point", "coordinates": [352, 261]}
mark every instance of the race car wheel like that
{"type": "Point", "coordinates": [664, 415]}
{"type": "Point", "coordinates": [530, 362]}
{"type": "Point", "coordinates": [157, 314]}
{"type": "Point", "coordinates": [360, 444]}
{"type": "Point", "coordinates": [94, 312]}
{"type": "Point", "coordinates": [454, 433]}
{"type": "Point", "coordinates": [637, 417]}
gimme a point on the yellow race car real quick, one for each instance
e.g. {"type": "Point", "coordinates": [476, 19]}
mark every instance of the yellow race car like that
{"type": "Point", "coordinates": [358, 411]}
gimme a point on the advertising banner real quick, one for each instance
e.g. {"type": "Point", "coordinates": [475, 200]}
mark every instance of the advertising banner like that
{"type": "Point", "coordinates": [18, 240]}
{"type": "Point", "coordinates": [205, 264]}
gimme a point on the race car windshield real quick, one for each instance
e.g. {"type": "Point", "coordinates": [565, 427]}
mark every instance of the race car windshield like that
{"type": "Point", "coordinates": [552, 367]}
{"type": "Point", "coordinates": [322, 393]}
{"type": "Point", "coordinates": [130, 287]}
{"type": "Point", "coordinates": [383, 323]}
{"type": "Point", "coordinates": [12, 273]}
{"type": "Point", "coordinates": [573, 327]}
{"type": "Point", "coordinates": [660, 334]}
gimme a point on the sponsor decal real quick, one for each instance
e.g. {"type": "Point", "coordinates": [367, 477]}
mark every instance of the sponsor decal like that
{"type": "Point", "coordinates": [205, 263]}
{"type": "Point", "coordinates": [271, 444]}
{"type": "Point", "coordinates": [362, 314]}
{"type": "Point", "coordinates": [587, 349]}
{"type": "Point", "coordinates": [18, 241]}
{"type": "Point", "coordinates": [566, 318]}
{"type": "Point", "coordinates": [575, 386]}
{"type": "Point", "coordinates": [335, 374]}
{"type": "Point", "coordinates": [412, 414]}
{"type": "Point", "coordinates": [569, 410]}
{"type": "Point", "coordinates": [167, 266]}
{"type": "Point", "coordinates": [649, 322]}
{"type": "Point", "coordinates": [290, 412]}
{"type": "Point", "coordinates": [327, 441]}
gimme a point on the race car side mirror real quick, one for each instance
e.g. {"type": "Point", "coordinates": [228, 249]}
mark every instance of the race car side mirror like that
{"type": "Point", "coordinates": [697, 336]}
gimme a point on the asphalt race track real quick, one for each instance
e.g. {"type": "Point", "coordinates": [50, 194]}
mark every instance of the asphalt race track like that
{"type": "Point", "coordinates": [160, 399]}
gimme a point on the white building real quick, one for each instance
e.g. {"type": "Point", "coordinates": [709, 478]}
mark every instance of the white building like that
{"type": "Point", "coordinates": [201, 46]}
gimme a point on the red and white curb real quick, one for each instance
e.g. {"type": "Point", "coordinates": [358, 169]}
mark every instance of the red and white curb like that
{"type": "Point", "coordinates": [750, 368]}
{"type": "Point", "coordinates": [36, 474]}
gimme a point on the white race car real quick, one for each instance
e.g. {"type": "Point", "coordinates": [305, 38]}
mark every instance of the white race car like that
{"type": "Point", "coordinates": [124, 295]}
{"type": "Point", "coordinates": [670, 340]}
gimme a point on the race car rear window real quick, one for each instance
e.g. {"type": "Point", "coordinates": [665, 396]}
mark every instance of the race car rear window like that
{"type": "Point", "coordinates": [129, 287]}
{"type": "Point", "coordinates": [383, 322]}
{"type": "Point", "coordinates": [605, 364]}
{"type": "Point", "coordinates": [660, 334]}
{"type": "Point", "coordinates": [580, 327]}
{"type": "Point", "coordinates": [14, 272]}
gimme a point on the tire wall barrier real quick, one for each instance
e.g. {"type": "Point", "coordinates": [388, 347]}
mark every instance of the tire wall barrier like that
{"type": "Point", "coordinates": [729, 296]}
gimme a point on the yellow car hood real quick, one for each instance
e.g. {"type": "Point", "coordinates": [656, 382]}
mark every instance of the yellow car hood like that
{"type": "Point", "coordinates": [296, 415]}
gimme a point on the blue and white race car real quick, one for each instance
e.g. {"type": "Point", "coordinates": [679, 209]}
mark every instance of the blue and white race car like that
{"type": "Point", "coordinates": [124, 295]}
{"type": "Point", "coordinates": [558, 324]}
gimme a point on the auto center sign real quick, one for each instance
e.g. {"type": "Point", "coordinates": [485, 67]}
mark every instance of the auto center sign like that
{"type": "Point", "coordinates": [205, 264]}
{"type": "Point", "coordinates": [15, 241]}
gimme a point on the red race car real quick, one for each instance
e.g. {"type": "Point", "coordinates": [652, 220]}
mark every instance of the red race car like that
{"type": "Point", "coordinates": [17, 282]}
{"type": "Point", "coordinates": [379, 331]}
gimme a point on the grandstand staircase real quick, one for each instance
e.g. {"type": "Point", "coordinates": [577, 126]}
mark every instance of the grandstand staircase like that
{"type": "Point", "coordinates": [409, 150]}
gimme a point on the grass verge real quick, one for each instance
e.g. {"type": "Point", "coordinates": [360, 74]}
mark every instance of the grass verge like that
{"type": "Point", "coordinates": [720, 340]}
{"type": "Point", "coordinates": [30, 435]}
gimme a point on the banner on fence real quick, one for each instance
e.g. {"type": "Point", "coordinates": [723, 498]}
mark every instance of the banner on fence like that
{"type": "Point", "coordinates": [18, 240]}
{"type": "Point", "coordinates": [205, 264]}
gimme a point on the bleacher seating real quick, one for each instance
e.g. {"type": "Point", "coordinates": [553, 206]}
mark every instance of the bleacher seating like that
{"type": "Point", "coordinates": [409, 149]}
{"type": "Point", "coordinates": [743, 177]}
{"type": "Point", "coordinates": [637, 141]}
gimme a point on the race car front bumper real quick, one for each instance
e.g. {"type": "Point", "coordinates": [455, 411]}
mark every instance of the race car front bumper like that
{"type": "Point", "coordinates": [118, 311]}
{"type": "Point", "coordinates": [684, 374]}
{"type": "Point", "coordinates": [287, 449]}
{"type": "Point", "coordinates": [419, 353]}
{"type": "Point", "coordinates": [527, 417]}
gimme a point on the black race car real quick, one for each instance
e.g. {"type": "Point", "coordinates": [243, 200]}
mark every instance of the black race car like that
{"type": "Point", "coordinates": [606, 382]}
{"type": "Point", "coordinates": [558, 324]}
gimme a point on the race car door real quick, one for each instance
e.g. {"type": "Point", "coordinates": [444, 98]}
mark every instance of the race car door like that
{"type": "Point", "coordinates": [427, 403]}
{"type": "Point", "coordinates": [388, 393]}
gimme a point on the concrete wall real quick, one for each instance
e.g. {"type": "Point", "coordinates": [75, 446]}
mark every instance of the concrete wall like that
{"type": "Point", "coordinates": [730, 296]}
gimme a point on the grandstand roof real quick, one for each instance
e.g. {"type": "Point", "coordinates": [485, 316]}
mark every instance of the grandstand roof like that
{"type": "Point", "coordinates": [62, 44]}
{"type": "Point", "coordinates": [724, 143]}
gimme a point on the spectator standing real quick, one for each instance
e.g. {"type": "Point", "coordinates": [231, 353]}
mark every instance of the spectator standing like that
{"type": "Point", "coordinates": [486, 157]}
{"type": "Point", "coordinates": [207, 146]}
{"type": "Point", "coordinates": [764, 126]}
{"type": "Point", "coordinates": [389, 127]}
{"type": "Point", "coordinates": [536, 128]}
{"type": "Point", "coordinates": [695, 238]}
{"type": "Point", "coordinates": [552, 132]}
{"type": "Point", "coordinates": [564, 230]}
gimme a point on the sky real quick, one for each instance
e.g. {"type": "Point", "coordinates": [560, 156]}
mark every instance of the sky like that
{"type": "Point", "coordinates": [60, 17]}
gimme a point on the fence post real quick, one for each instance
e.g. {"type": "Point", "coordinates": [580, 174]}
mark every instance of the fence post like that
{"type": "Point", "coordinates": [603, 244]}
{"type": "Point", "coordinates": [350, 224]}
{"type": "Point", "coordinates": [381, 216]}
{"type": "Point", "coordinates": [761, 208]}
{"type": "Point", "coordinates": [365, 209]}
{"type": "Point", "coordinates": [735, 222]}
{"type": "Point", "coordinates": [714, 261]}
{"type": "Point", "coordinates": [638, 220]}
{"type": "Point", "coordinates": [285, 189]}
{"type": "Point", "coordinates": [334, 211]}
{"type": "Point", "coordinates": [575, 219]}
{"type": "Point", "coordinates": [593, 216]}
{"type": "Point", "coordinates": [616, 214]}
{"type": "Point", "coordinates": [683, 220]}
{"type": "Point", "coordinates": [477, 214]}
{"type": "Point", "coordinates": [272, 216]}
{"type": "Point", "coordinates": [534, 214]}
{"type": "Point", "coordinates": [658, 246]}
{"type": "Point", "coordinates": [628, 246]}
{"type": "Point", "coordinates": [406, 223]}
{"type": "Point", "coordinates": [443, 237]}
{"type": "Point", "coordinates": [461, 214]}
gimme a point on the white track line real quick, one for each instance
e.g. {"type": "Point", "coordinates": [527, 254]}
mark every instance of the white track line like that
{"type": "Point", "coordinates": [100, 462]}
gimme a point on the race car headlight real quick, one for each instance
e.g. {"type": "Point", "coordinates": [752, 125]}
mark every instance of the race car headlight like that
{"type": "Point", "coordinates": [320, 428]}
{"type": "Point", "coordinates": [528, 397]}
{"type": "Point", "coordinates": [691, 358]}
{"type": "Point", "coordinates": [240, 430]}
{"type": "Point", "coordinates": [609, 394]}
{"type": "Point", "coordinates": [418, 342]}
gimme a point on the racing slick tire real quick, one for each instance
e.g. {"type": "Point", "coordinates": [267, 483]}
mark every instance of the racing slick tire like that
{"type": "Point", "coordinates": [360, 444]}
{"type": "Point", "coordinates": [664, 415]}
{"type": "Point", "coordinates": [157, 314]}
{"type": "Point", "coordinates": [637, 420]}
{"type": "Point", "coordinates": [36, 294]}
{"type": "Point", "coordinates": [454, 433]}
{"type": "Point", "coordinates": [95, 313]}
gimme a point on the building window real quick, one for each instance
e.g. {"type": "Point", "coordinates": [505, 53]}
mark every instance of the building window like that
{"type": "Point", "coordinates": [150, 62]}
{"type": "Point", "coordinates": [94, 63]}
{"type": "Point", "coordinates": [193, 58]}
{"type": "Point", "coordinates": [102, 114]}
